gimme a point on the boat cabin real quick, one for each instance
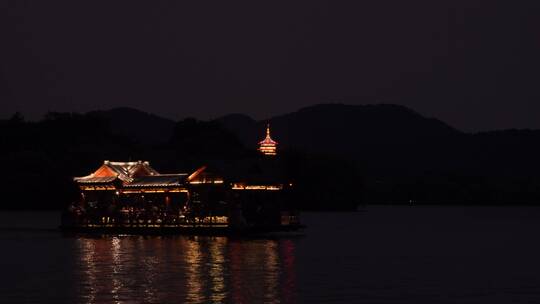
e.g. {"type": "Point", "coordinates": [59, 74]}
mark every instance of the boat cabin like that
{"type": "Point", "coordinates": [133, 194]}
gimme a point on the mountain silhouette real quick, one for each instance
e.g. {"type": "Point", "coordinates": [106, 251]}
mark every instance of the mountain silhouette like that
{"type": "Point", "coordinates": [339, 128]}
{"type": "Point", "coordinates": [325, 128]}
{"type": "Point", "coordinates": [138, 125]}
{"type": "Point", "coordinates": [382, 138]}
{"type": "Point", "coordinates": [350, 153]}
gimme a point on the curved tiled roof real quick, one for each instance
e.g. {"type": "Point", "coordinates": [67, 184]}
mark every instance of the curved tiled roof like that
{"type": "Point", "coordinates": [162, 180]}
{"type": "Point", "coordinates": [127, 172]}
{"type": "Point", "coordinates": [95, 180]}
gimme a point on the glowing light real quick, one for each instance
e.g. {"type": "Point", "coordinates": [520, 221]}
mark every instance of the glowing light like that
{"type": "Point", "coordinates": [207, 181]}
{"type": "Point", "coordinates": [98, 188]}
{"type": "Point", "coordinates": [155, 191]}
{"type": "Point", "coordinates": [257, 187]}
{"type": "Point", "coordinates": [268, 146]}
{"type": "Point", "coordinates": [196, 173]}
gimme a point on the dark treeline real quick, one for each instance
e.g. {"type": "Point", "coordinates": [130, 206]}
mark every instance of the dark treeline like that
{"type": "Point", "coordinates": [40, 159]}
{"type": "Point", "coordinates": [403, 157]}
{"type": "Point", "coordinates": [337, 156]}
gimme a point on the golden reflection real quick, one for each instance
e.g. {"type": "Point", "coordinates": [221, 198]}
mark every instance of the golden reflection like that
{"type": "Point", "coordinates": [149, 262]}
{"type": "Point", "coordinates": [116, 268]}
{"type": "Point", "coordinates": [193, 275]}
{"type": "Point", "coordinates": [217, 274]}
{"type": "Point", "coordinates": [129, 269]}
{"type": "Point", "coordinates": [272, 272]}
{"type": "Point", "coordinates": [87, 250]}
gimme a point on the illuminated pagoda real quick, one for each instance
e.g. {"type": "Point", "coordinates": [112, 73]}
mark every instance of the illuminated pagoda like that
{"type": "Point", "coordinates": [268, 146]}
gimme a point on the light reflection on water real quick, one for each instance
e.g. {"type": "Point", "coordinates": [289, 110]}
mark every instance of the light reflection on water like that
{"type": "Point", "coordinates": [180, 269]}
{"type": "Point", "coordinates": [384, 255]}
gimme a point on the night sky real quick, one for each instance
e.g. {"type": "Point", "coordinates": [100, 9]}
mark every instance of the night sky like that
{"type": "Point", "coordinates": [473, 64]}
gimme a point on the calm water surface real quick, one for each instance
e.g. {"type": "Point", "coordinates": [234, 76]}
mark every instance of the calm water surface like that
{"type": "Point", "coordinates": [382, 255]}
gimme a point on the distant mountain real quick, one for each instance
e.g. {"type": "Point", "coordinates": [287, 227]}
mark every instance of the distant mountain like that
{"type": "Point", "coordinates": [384, 139]}
{"type": "Point", "coordinates": [349, 154]}
{"type": "Point", "coordinates": [332, 128]}
{"type": "Point", "coordinates": [401, 155]}
{"type": "Point", "coordinates": [245, 128]}
{"type": "Point", "coordinates": [356, 131]}
{"type": "Point", "coordinates": [138, 125]}
{"type": "Point", "coordinates": [338, 128]}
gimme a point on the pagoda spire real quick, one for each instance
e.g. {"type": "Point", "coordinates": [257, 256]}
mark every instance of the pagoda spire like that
{"type": "Point", "coordinates": [268, 130]}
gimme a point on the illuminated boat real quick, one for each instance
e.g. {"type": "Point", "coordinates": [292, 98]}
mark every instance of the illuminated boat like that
{"type": "Point", "coordinates": [132, 197]}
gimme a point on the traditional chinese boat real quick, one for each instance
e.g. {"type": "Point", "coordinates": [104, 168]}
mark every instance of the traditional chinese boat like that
{"type": "Point", "coordinates": [134, 198]}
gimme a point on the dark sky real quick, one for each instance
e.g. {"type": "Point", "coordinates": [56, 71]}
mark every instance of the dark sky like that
{"type": "Point", "coordinates": [473, 64]}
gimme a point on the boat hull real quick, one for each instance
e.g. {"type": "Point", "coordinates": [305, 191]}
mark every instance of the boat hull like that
{"type": "Point", "coordinates": [181, 230]}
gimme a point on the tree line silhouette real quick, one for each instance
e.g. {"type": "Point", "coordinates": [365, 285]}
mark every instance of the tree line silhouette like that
{"type": "Point", "coordinates": [40, 158]}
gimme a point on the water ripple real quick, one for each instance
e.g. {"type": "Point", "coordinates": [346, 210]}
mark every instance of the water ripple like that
{"type": "Point", "coordinates": [133, 269]}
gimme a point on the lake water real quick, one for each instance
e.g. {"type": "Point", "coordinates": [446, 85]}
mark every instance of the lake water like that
{"type": "Point", "coordinates": [382, 255]}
